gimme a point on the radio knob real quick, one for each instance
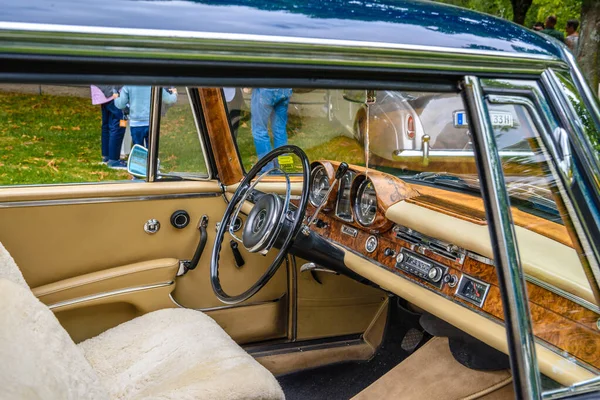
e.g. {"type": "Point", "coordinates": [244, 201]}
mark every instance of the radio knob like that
{"type": "Point", "coordinates": [435, 274]}
{"type": "Point", "coordinates": [400, 258]}
{"type": "Point", "coordinates": [451, 280]}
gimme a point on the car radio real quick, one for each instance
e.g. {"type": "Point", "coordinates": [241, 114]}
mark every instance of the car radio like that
{"type": "Point", "coordinates": [421, 267]}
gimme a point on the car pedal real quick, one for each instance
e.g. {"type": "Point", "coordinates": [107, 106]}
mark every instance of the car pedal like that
{"type": "Point", "coordinates": [411, 340]}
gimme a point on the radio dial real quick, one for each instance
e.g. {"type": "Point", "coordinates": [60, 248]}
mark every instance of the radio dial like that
{"type": "Point", "coordinates": [435, 274]}
{"type": "Point", "coordinates": [400, 257]}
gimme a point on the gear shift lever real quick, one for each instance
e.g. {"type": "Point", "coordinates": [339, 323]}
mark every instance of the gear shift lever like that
{"type": "Point", "coordinates": [342, 168]}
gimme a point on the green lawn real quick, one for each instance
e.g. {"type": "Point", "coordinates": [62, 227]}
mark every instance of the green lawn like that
{"type": "Point", "coordinates": [56, 139]}
{"type": "Point", "coordinates": [50, 139]}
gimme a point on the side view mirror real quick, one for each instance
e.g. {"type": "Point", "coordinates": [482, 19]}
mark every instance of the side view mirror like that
{"type": "Point", "coordinates": [138, 161]}
{"type": "Point", "coordinates": [359, 96]}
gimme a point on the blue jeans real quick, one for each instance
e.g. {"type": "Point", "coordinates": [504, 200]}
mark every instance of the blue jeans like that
{"type": "Point", "coordinates": [269, 104]}
{"type": "Point", "coordinates": [112, 133]}
{"type": "Point", "coordinates": [139, 135]}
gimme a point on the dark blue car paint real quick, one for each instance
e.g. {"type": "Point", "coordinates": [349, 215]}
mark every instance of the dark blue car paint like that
{"type": "Point", "coordinates": [407, 22]}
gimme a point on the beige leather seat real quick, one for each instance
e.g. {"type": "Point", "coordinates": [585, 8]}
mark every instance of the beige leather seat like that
{"type": "Point", "coordinates": [167, 354]}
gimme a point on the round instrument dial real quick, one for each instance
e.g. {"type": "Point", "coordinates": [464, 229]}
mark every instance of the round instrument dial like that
{"type": "Point", "coordinates": [365, 206]}
{"type": "Point", "coordinates": [320, 185]}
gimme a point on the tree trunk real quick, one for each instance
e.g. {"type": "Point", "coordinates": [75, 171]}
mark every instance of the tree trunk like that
{"type": "Point", "coordinates": [520, 8]}
{"type": "Point", "coordinates": [589, 42]}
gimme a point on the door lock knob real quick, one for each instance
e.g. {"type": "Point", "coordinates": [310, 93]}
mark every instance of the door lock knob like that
{"type": "Point", "coordinates": [151, 226]}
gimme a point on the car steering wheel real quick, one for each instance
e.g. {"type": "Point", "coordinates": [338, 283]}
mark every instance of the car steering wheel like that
{"type": "Point", "coordinates": [270, 223]}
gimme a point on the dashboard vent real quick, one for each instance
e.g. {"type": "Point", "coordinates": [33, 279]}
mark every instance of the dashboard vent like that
{"type": "Point", "coordinates": [408, 235]}
{"type": "Point", "coordinates": [422, 242]}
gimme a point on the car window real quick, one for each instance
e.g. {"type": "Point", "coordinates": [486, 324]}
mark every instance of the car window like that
{"type": "Point", "coordinates": [180, 150]}
{"type": "Point", "coordinates": [60, 134]}
{"type": "Point", "coordinates": [551, 250]}
{"type": "Point", "coordinates": [264, 118]}
{"type": "Point", "coordinates": [421, 135]}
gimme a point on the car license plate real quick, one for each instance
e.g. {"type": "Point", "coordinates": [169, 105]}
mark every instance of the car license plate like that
{"type": "Point", "coordinates": [498, 119]}
{"type": "Point", "coordinates": [501, 119]}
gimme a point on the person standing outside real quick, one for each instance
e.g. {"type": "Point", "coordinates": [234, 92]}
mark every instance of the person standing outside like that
{"type": "Point", "coordinates": [265, 105]}
{"type": "Point", "coordinates": [551, 31]}
{"type": "Point", "coordinates": [138, 99]}
{"type": "Point", "coordinates": [112, 131]}
{"type": "Point", "coordinates": [572, 39]}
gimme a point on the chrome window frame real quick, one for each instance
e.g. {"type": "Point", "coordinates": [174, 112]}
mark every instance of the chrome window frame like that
{"type": "Point", "coordinates": [154, 142]}
{"type": "Point", "coordinates": [513, 289]}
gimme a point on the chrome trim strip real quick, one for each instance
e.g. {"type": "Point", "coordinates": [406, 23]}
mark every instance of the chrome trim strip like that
{"type": "Point", "coordinates": [153, 138]}
{"type": "Point", "coordinates": [293, 296]}
{"type": "Point", "coordinates": [301, 348]}
{"type": "Point", "coordinates": [107, 294]}
{"type": "Point", "coordinates": [455, 153]}
{"type": "Point", "coordinates": [580, 79]}
{"type": "Point", "coordinates": [480, 258]}
{"type": "Point", "coordinates": [48, 39]}
{"type": "Point", "coordinates": [227, 306]}
{"type": "Point", "coordinates": [96, 200]}
{"type": "Point", "coordinates": [587, 386]}
{"type": "Point", "coordinates": [180, 34]}
{"type": "Point", "coordinates": [517, 320]}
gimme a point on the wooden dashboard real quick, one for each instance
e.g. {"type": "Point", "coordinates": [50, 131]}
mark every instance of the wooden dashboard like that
{"type": "Point", "coordinates": [558, 322]}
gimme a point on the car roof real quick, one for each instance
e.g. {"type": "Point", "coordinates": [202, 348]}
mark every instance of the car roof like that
{"type": "Point", "coordinates": [395, 22]}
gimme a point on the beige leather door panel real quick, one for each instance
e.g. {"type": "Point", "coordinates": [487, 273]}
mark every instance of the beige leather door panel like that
{"type": "Point", "coordinates": [73, 241]}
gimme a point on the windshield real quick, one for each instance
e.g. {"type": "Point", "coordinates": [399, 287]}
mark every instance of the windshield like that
{"type": "Point", "coordinates": [422, 137]}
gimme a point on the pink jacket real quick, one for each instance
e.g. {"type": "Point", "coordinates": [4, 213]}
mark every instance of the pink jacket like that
{"type": "Point", "coordinates": [98, 97]}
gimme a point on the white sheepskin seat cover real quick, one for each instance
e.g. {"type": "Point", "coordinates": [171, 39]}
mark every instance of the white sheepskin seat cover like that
{"type": "Point", "coordinates": [9, 269]}
{"type": "Point", "coordinates": [38, 359]}
{"type": "Point", "coordinates": [176, 354]}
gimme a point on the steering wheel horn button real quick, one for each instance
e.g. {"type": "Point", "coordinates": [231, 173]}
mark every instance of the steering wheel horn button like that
{"type": "Point", "coordinates": [262, 223]}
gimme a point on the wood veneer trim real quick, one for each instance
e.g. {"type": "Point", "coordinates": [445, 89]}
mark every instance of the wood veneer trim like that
{"type": "Point", "coordinates": [551, 363]}
{"type": "Point", "coordinates": [556, 320]}
{"type": "Point", "coordinates": [221, 141]}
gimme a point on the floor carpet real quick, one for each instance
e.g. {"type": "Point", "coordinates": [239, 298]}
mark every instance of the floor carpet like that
{"type": "Point", "coordinates": [345, 380]}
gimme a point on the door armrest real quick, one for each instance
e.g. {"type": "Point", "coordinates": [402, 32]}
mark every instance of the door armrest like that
{"type": "Point", "coordinates": [136, 275]}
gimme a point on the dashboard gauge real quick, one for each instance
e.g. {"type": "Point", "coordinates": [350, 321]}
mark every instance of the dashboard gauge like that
{"type": "Point", "coordinates": [320, 185]}
{"type": "Point", "coordinates": [365, 206]}
{"type": "Point", "coordinates": [343, 210]}
{"type": "Point", "coordinates": [472, 290]}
